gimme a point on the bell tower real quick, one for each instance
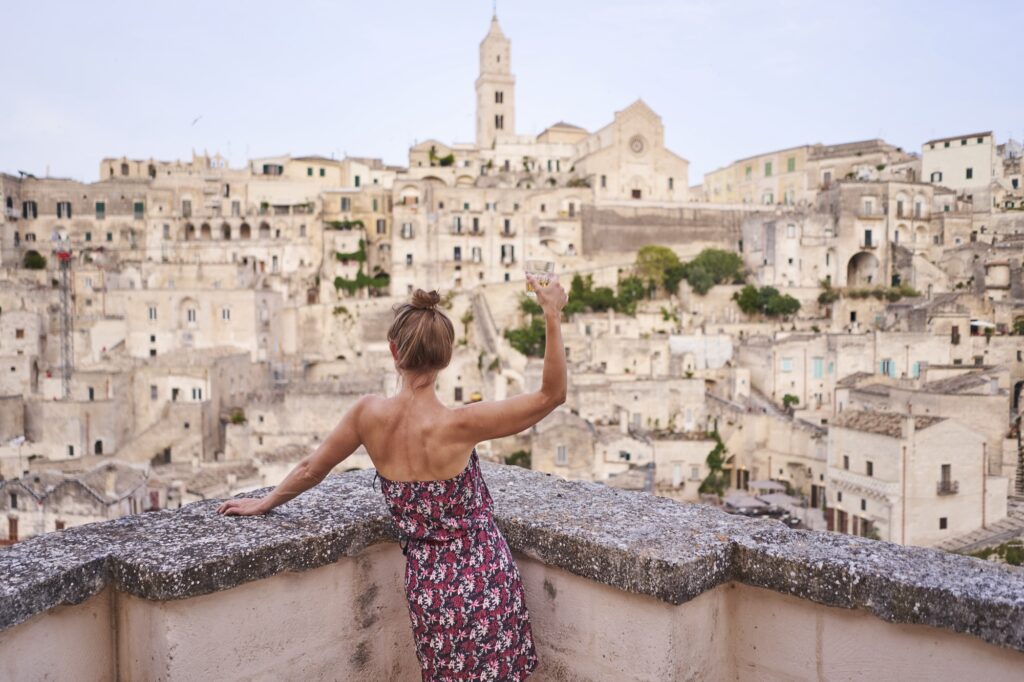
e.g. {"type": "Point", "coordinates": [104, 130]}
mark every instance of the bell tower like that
{"type": "Point", "coordinates": [495, 88]}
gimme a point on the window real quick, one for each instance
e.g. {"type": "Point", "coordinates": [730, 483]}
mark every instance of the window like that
{"type": "Point", "coordinates": [167, 231]}
{"type": "Point", "coordinates": [499, 121]}
{"type": "Point", "coordinates": [970, 173]}
{"type": "Point", "coordinates": [839, 496]}
{"type": "Point", "coordinates": [19, 333]}
{"type": "Point", "coordinates": [946, 472]}
{"type": "Point", "coordinates": [92, 394]}
{"type": "Point", "coordinates": [407, 230]}
{"type": "Point", "coordinates": [846, 461]}
{"type": "Point", "coordinates": [63, 209]}
{"type": "Point", "coordinates": [197, 394]}
{"type": "Point", "coordinates": [152, 352]}
{"type": "Point", "coordinates": [14, 500]}
{"type": "Point", "coordinates": [457, 253]}
{"type": "Point", "coordinates": [561, 455]}
{"type": "Point", "coordinates": [374, 205]}
{"type": "Point", "coordinates": [458, 394]}
{"type": "Point", "coordinates": [110, 236]}
{"type": "Point", "coordinates": [636, 194]}
{"type": "Point", "coordinates": [942, 523]}
{"type": "Point", "coordinates": [946, 144]}
{"type": "Point", "coordinates": [870, 468]}
{"type": "Point", "coordinates": [71, 451]}
{"type": "Point", "coordinates": [604, 181]}
{"type": "Point", "coordinates": [322, 172]}
{"type": "Point", "coordinates": [786, 364]}
{"type": "Point", "coordinates": [790, 164]}
{"type": "Point", "coordinates": [671, 184]}
{"type": "Point", "coordinates": [346, 204]}
{"type": "Point", "coordinates": [191, 314]}
{"type": "Point", "coordinates": [186, 208]}
{"type": "Point", "coordinates": [818, 367]}
{"type": "Point", "coordinates": [867, 237]}
{"type": "Point", "coordinates": [225, 314]}
{"type": "Point", "coordinates": [382, 226]}
{"type": "Point", "coordinates": [152, 313]}
{"type": "Point", "coordinates": [408, 259]}
{"type": "Point", "coordinates": [508, 226]}
{"type": "Point", "coordinates": [499, 97]}
{"type": "Point", "coordinates": [357, 180]}
{"type": "Point", "coordinates": [767, 169]}
{"type": "Point", "coordinates": [29, 210]}
{"type": "Point", "coordinates": [936, 176]}
{"type": "Point", "coordinates": [916, 370]}
{"type": "Point", "coordinates": [791, 231]}
{"type": "Point", "coordinates": [153, 393]}
{"type": "Point", "coordinates": [138, 210]}
{"type": "Point", "coordinates": [101, 210]}
{"type": "Point", "coordinates": [887, 367]}
{"type": "Point", "coordinates": [869, 206]}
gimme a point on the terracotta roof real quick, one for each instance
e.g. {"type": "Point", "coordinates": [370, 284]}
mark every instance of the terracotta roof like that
{"type": "Point", "coordinates": [883, 423]}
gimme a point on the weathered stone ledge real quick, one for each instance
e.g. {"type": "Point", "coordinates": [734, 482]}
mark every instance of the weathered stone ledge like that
{"type": "Point", "coordinates": [632, 541]}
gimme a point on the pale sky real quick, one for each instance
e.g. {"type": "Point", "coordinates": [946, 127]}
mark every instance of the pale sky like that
{"type": "Point", "coordinates": [84, 80]}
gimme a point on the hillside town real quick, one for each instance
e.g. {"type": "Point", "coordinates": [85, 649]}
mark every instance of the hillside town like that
{"type": "Point", "coordinates": [831, 335]}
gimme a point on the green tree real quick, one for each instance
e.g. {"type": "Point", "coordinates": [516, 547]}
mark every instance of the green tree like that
{"type": "Point", "coordinates": [1018, 326]}
{"type": "Point", "coordinates": [652, 261]}
{"type": "Point", "coordinates": [631, 290]}
{"type": "Point", "coordinates": [34, 260]}
{"type": "Point", "coordinates": [765, 301]}
{"type": "Point", "coordinates": [790, 401]}
{"type": "Point", "coordinates": [717, 479]}
{"type": "Point", "coordinates": [529, 339]}
{"type": "Point", "coordinates": [519, 458]}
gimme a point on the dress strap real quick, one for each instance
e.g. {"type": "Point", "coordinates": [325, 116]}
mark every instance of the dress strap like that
{"type": "Point", "coordinates": [376, 475]}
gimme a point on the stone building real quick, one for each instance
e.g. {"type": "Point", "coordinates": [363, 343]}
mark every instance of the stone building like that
{"type": "Point", "coordinates": [44, 501]}
{"type": "Point", "coordinates": [914, 480]}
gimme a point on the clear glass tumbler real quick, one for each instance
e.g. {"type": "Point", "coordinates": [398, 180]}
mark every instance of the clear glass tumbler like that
{"type": "Point", "coordinates": [542, 271]}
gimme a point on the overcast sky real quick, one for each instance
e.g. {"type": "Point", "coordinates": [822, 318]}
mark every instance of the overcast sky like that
{"type": "Point", "coordinates": [84, 80]}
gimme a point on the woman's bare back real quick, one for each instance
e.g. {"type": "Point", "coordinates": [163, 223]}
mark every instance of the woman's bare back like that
{"type": "Point", "coordinates": [413, 438]}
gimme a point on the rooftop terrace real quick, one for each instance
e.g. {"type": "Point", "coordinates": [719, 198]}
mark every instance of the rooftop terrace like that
{"type": "Point", "coordinates": [620, 585]}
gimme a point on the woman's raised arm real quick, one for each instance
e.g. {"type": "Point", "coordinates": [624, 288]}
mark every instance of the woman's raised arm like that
{"type": "Point", "coordinates": [499, 418]}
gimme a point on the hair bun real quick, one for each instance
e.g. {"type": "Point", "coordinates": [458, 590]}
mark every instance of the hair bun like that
{"type": "Point", "coordinates": [425, 300]}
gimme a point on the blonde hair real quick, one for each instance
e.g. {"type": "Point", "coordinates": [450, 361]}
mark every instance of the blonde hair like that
{"type": "Point", "coordinates": [423, 335]}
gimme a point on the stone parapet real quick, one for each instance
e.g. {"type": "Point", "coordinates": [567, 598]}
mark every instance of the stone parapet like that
{"type": "Point", "coordinates": [631, 541]}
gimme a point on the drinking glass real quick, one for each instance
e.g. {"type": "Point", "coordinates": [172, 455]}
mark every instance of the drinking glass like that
{"type": "Point", "coordinates": [542, 270]}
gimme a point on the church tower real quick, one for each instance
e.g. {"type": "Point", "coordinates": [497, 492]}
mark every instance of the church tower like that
{"type": "Point", "coordinates": [495, 88]}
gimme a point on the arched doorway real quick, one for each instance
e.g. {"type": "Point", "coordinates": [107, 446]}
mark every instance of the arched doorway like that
{"type": "Point", "coordinates": [862, 270]}
{"type": "Point", "coordinates": [205, 233]}
{"type": "Point", "coordinates": [225, 232]}
{"type": "Point", "coordinates": [245, 232]}
{"type": "Point", "coordinates": [98, 447]}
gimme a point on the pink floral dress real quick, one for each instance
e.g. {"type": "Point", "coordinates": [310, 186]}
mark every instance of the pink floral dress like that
{"type": "Point", "coordinates": [466, 598]}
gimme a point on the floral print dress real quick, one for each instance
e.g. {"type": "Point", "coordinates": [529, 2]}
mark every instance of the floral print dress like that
{"type": "Point", "coordinates": [466, 598]}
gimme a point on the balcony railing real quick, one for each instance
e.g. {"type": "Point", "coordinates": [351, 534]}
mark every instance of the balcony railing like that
{"type": "Point", "coordinates": [947, 487]}
{"type": "Point", "coordinates": [715, 596]}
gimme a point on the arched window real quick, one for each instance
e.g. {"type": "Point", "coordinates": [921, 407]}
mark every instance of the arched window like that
{"type": "Point", "coordinates": [98, 447]}
{"type": "Point", "coordinates": [264, 231]}
{"type": "Point", "coordinates": [190, 232]}
{"type": "Point", "coordinates": [225, 232]}
{"type": "Point", "coordinates": [204, 232]}
{"type": "Point", "coordinates": [245, 232]}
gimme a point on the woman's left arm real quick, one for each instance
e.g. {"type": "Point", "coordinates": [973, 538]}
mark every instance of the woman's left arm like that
{"type": "Point", "coordinates": [310, 470]}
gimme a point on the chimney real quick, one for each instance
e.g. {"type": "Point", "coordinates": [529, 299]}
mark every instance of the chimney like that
{"type": "Point", "coordinates": [110, 482]}
{"type": "Point", "coordinates": [907, 427]}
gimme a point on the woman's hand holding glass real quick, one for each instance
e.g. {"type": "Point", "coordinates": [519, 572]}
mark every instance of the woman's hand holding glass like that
{"type": "Point", "coordinates": [551, 297]}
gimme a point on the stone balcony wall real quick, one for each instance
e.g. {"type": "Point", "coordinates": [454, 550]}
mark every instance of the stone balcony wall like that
{"type": "Point", "coordinates": [620, 585]}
